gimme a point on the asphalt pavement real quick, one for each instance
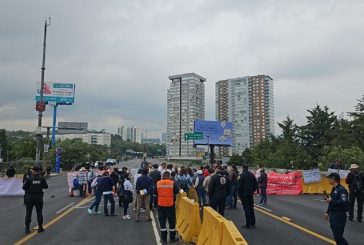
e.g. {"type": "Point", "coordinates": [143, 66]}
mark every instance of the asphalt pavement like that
{"type": "Point", "coordinates": [284, 220]}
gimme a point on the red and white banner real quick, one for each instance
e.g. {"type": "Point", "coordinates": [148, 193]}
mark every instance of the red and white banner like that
{"type": "Point", "coordinates": [11, 187]}
{"type": "Point", "coordinates": [284, 184]}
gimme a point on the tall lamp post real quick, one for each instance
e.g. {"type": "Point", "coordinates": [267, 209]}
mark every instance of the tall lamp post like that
{"type": "Point", "coordinates": [40, 106]}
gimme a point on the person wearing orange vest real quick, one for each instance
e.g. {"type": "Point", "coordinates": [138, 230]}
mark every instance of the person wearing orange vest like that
{"type": "Point", "coordinates": [167, 189]}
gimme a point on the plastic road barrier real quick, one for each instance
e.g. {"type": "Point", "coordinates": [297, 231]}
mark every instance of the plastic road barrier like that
{"type": "Point", "coordinates": [188, 220]}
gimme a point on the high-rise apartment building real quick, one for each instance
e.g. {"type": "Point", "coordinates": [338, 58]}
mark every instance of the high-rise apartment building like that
{"type": "Point", "coordinates": [248, 103]}
{"type": "Point", "coordinates": [185, 104]}
{"type": "Point", "coordinates": [130, 133]}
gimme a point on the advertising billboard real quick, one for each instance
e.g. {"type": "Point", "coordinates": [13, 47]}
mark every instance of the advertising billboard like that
{"type": "Point", "coordinates": [61, 93]}
{"type": "Point", "coordinates": [214, 132]}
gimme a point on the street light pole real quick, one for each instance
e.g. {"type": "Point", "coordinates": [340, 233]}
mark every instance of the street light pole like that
{"type": "Point", "coordinates": [180, 116]}
{"type": "Point", "coordinates": [40, 112]}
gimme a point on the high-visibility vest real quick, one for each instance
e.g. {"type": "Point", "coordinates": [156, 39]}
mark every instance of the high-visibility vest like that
{"type": "Point", "coordinates": [165, 193]}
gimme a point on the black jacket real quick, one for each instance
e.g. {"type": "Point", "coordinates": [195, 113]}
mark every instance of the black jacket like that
{"type": "Point", "coordinates": [352, 179]}
{"type": "Point", "coordinates": [340, 200]}
{"type": "Point", "coordinates": [263, 180]}
{"type": "Point", "coordinates": [155, 175]}
{"type": "Point", "coordinates": [247, 184]}
{"type": "Point", "coordinates": [219, 187]}
{"type": "Point", "coordinates": [35, 184]}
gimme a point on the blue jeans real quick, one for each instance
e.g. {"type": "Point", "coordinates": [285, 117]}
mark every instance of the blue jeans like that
{"type": "Point", "coordinates": [201, 197]}
{"type": "Point", "coordinates": [109, 198]}
{"type": "Point", "coordinates": [263, 195]}
{"type": "Point", "coordinates": [97, 201]}
{"type": "Point", "coordinates": [232, 199]}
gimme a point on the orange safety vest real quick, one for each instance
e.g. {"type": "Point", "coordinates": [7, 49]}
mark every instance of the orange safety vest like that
{"type": "Point", "coordinates": [165, 193]}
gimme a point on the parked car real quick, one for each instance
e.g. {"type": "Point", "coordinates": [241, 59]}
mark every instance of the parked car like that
{"type": "Point", "coordinates": [111, 161]}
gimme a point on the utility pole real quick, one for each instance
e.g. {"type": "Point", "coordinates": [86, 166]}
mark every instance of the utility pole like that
{"type": "Point", "coordinates": [40, 107]}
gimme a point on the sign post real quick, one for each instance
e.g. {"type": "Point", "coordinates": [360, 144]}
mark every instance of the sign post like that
{"type": "Point", "coordinates": [194, 136]}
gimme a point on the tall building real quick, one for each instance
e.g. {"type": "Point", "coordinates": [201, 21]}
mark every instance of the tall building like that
{"type": "Point", "coordinates": [185, 104]}
{"type": "Point", "coordinates": [90, 138]}
{"type": "Point", "coordinates": [130, 133]}
{"type": "Point", "coordinates": [248, 103]}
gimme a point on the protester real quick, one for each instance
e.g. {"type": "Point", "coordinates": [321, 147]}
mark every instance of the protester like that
{"type": "Point", "coordinates": [90, 179]}
{"type": "Point", "coordinates": [162, 168]}
{"type": "Point", "coordinates": [233, 196]}
{"type": "Point", "coordinates": [338, 206]}
{"type": "Point", "coordinates": [10, 172]}
{"type": "Point", "coordinates": [34, 186]}
{"type": "Point", "coordinates": [355, 180]}
{"type": "Point", "coordinates": [143, 188]}
{"type": "Point", "coordinates": [127, 196]}
{"type": "Point", "coordinates": [136, 177]}
{"type": "Point", "coordinates": [156, 176]}
{"type": "Point", "coordinates": [183, 180]}
{"type": "Point", "coordinates": [26, 175]}
{"type": "Point", "coordinates": [96, 185]}
{"type": "Point", "coordinates": [198, 184]}
{"type": "Point", "coordinates": [82, 180]}
{"type": "Point", "coordinates": [262, 186]}
{"type": "Point", "coordinates": [75, 186]}
{"type": "Point", "coordinates": [219, 189]}
{"type": "Point", "coordinates": [115, 178]}
{"type": "Point", "coordinates": [106, 187]}
{"type": "Point", "coordinates": [337, 165]}
{"type": "Point", "coordinates": [206, 183]}
{"type": "Point", "coordinates": [166, 191]}
{"type": "Point", "coordinates": [247, 186]}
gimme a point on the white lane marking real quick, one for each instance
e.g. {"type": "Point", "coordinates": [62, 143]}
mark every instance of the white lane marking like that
{"type": "Point", "coordinates": [155, 230]}
{"type": "Point", "coordinates": [61, 210]}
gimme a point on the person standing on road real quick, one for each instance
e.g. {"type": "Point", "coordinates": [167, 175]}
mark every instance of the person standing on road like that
{"type": "Point", "coordinates": [115, 178]}
{"type": "Point", "coordinates": [96, 185]}
{"type": "Point", "coordinates": [198, 184]}
{"type": "Point", "coordinates": [82, 180]}
{"type": "Point", "coordinates": [143, 188]}
{"type": "Point", "coordinates": [262, 186]}
{"type": "Point", "coordinates": [338, 206]}
{"type": "Point", "coordinates": [156, 176]}
{"type": "Point", "coordinates": [106, 186]}
{"type": "Point", "coordinates": [355, 180]}
{"type": "Point", "coordinates": [27, 175]}
{"type": "Point", "coordinates": [167, 189]}
{"type": "Point", "coordinates": [127, 196]}
{"type": "Point", "coordinates": [10, 172]}
{"type": "Point", "coordinates": [34, 186]}
{"type": "Point", "coordinates": [219, 189]}
{"type": "Point", "coordinates": [247, 186]}
{"type": "Point", "coordinates": [233, 196]}
{"type": "Point", "coordinates": [90, 179]}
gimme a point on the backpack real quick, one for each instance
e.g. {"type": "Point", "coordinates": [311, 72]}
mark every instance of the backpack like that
{"type": "Point", "coordinates": [76, 183]}
{"type": "Point", "coordinates": [183, 184]}
{"type": "Point", "coordinates": [358, 183]}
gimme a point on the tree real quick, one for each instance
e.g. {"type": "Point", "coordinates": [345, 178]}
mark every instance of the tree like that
{"type": "Point", "coordinates": [318, 132]}
{"type": "Point", "coordinates": [358, 123]}
{"type": "Point", "coordinates": [4, 145]}
{"type": "Point", "coordinates": [289, 129]}
{"type": "Point", "coordinates": [346, 155]}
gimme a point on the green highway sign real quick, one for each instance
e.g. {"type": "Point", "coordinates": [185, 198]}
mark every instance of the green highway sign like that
{"type": "Point", "coordinates": [194, 136]}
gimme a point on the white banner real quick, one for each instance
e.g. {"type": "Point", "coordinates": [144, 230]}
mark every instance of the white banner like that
{"type": "Point", "coordinates": [11, 187]}
{"type": "Point", "coordinates": [342, 173]}
{"type": "Point", "coordinates": [311, 176]}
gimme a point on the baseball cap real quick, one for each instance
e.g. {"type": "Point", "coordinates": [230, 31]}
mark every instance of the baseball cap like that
{"type": "Point", "coordinates": [334, 176]}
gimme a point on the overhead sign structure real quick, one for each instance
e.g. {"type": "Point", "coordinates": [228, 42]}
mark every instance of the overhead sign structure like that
{"type": "Point", "coordinates": [214, 132]}
{"type": "Point", "coordinates": [59, 93]}
{"type": "Point", "coordinates": [194, 136]}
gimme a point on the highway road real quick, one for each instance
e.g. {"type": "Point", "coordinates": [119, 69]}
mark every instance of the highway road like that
{"type": "Point", "coordinates": [67, 221]}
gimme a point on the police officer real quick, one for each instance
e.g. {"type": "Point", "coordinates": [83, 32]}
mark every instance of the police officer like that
{"type": "Point", "coordinates": [34, 186]}
{"type": "Point", "coordinates": [167, 189]}
{"type": "Point", "coordinates": [338, 206]}
{"type": "Point", "coordinates": [219, 189]}
{"type": "Point", "coordinates": [247, 185]}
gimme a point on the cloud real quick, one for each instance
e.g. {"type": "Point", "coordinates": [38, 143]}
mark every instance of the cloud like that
{"type": "Point", "coordinates": [120, 55]}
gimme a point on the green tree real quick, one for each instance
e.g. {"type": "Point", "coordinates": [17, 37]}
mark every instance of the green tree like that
{"type": "Point", "coordinates": [358, 123]}
{"type": "Point", "coordinates": [4, 145]}
{"type": "Point", "coordinates": [289, 129]}
{"type": "Point", "coordinates": [346, 155]}
{"type": "Point", "coordinates": [318, 132]}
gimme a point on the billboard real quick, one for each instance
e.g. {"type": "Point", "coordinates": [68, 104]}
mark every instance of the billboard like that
{"type": "Point", "coordinates": [61, 93]}
{"type": "Point", "coordinates": [214, 132]}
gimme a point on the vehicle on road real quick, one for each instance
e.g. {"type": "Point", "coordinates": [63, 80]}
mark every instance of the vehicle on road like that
{"type": "Point", "coordinates": [111, 161]}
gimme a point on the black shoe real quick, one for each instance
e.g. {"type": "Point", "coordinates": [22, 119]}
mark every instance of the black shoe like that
{"type": "Point", "coordinates": [40, 229]}
{"type": "Point", "coordinates": [360, 221]}
{"type": "Point", "coordinates": [113, 215]}
{"type": "Point", "coordinates": [246, 227]}
{"type": "Point", "coordinates": [174, 240]}
{"type": "Point", "coordinates": [106, 214]}
{"type": "Point", "coordinates": [27, 231]}
{"type": "Point", "coordinates": [164, 242]}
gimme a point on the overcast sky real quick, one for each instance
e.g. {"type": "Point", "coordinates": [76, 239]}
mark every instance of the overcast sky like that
{"type": "Point", "coordinates": [120, 54]}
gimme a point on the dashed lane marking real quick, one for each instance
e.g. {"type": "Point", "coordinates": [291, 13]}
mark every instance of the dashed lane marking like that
{"type": "Point", "coordinates": [57, 218]}
{"type": "Point", "coordinates": [61, 210]}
